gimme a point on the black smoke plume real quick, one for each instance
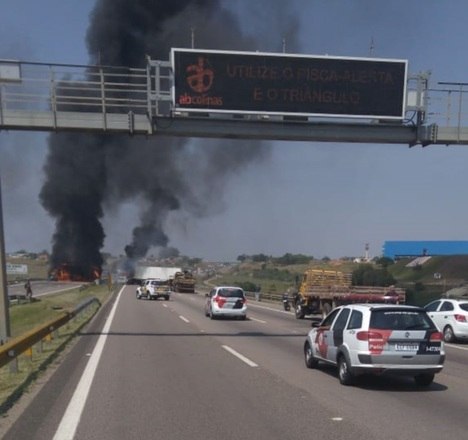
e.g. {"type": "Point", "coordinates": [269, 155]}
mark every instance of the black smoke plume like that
{"type": "Point", "coordinates": [85, 174]}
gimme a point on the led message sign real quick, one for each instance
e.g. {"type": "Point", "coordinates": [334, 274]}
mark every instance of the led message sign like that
{"type": "Point", "coordinates": [251, 82]}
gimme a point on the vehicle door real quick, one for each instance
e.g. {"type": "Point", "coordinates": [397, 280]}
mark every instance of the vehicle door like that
{"type": "Point", "coordinates": [447, 312]}
{"type": "Point", "coordinates": [324, 336]}
{"type": "Point", "coordinates": [433, 309]}
{"type": "Point", "coordinates": [337, 329]}
{"type": "Point", "coordinates": [209, 298]}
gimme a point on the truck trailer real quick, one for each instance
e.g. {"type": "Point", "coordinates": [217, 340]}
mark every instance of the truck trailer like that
{"type": "Point", "coordinates": [322, 290]}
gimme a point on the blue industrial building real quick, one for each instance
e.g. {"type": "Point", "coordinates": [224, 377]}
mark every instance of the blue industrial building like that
{"type": "Point", "coordinates": [401, 249]}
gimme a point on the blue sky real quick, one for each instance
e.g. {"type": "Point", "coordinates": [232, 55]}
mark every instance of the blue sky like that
{"type": "Point", "coordinates": [320, 199]}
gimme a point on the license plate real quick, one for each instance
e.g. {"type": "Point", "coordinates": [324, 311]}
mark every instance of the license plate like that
{"type": "Point", "coordinates": [407, 347]}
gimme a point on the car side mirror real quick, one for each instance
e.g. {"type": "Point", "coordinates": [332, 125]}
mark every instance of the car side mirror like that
{"type": "Point", "coordinates": [207, 295]}
{"type": "Point", "coordinates": [315, 324]}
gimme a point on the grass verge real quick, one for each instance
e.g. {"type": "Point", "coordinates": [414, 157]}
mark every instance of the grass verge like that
{"type": "Point", "coordinates": [34, 362]}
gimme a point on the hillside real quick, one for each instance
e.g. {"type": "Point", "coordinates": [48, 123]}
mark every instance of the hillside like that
{"type": "Point", "coordinates": [422, 283]}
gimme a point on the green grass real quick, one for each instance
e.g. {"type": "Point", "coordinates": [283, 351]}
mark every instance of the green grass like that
{"type": "Point", "coordinates": [26, 316]}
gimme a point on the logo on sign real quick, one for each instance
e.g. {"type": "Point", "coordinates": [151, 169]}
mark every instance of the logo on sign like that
{"type": "Point", "coordinates": [200, 77]}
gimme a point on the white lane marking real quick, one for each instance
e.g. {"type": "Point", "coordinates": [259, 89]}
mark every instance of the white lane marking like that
{"type": "Point", "coordinates": [183, 318]}
{"type": "Point", "coordinates": [456, 346]}
{"type": "Point", "coordinates": [67, 428]}
{"type": "Point", "coordinates": [337, 419]}
{"type": "Point", "coordinates": [165, 305]}
{"type": "Point", "coordinates": [257, 320]}
{"type": "Point", "coordinates": [240, 356]}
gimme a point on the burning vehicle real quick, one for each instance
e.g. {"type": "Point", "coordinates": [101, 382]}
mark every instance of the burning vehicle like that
{"type": "Point", "coordinates": [75, 272]}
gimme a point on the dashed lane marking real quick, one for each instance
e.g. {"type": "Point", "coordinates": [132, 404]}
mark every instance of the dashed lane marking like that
{"type": "Point", "coordinates": [257, 320]}
{"type": "Point", "coordinates": [456, 346]}
{"type": "Point", "coordinates": [240, 356]}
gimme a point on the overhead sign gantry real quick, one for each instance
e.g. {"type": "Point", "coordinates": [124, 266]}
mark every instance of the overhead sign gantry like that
{"type": "Point", "coordinates": [238, 95]}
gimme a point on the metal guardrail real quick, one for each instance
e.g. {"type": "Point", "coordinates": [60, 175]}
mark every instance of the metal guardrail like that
{"type": "Point", "coordinates": [274, 297]}
{"type": "Point", "coordinates": [55, 97]}
{"type": "Point", "coordinates": [77, 97]}
{"type": "Point", "coordinates": [15, 347]}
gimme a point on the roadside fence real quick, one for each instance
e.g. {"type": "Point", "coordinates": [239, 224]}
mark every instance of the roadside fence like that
{"type": "Point", "coordinates": [12, 349]}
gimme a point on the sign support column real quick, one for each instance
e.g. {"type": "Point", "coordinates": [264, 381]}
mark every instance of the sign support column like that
{"type": "Point", "coordinates": [4, 312]}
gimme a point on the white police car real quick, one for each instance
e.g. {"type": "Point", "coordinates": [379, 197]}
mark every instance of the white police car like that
{"type": "Point", "coordinates": [378, 339]}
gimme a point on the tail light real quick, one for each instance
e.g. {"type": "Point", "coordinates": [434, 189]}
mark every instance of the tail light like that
{"type": "Point", "coordinates": [436, 337]}
{"type": "Point", "coordinates": [460, 318]}
{"type": "Point", "coordinates": [369, 335]}
{"type": "Point", "coordinates": [376, 340]}
{"type": "Point", "coordinates": [220, 301]}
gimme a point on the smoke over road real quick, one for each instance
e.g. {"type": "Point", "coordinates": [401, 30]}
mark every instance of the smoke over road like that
{"type": "Point", "coordinates": [87, 174]}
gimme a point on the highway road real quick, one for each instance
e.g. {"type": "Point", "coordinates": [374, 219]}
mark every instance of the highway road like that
{"type": "Point", "coordinates": [162, 370]}
{"type": "Point", "coordinates": [41, 288]}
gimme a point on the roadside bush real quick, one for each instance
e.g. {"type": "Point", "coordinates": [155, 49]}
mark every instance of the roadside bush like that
{"type": "Point", "coordinates": [248, 286]}
{"type": "Point", "coordinates": [367, 275]}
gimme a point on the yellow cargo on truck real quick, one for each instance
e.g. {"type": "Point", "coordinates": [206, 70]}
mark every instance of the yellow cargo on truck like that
{"type": "Point", "coordinates": [322, 290]}
{"type": "Point", "coordinates": [183, 282]}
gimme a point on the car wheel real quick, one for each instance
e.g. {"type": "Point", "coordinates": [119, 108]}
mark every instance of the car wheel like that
{"type": "Point", "coordinates": [448, 334]}
{"type": "Point", "coordinates": [212, 316]}
{"type": "Point", "coordinates": [166, 297]}
{"type": "Point", "coordinates": [310, 361]}
{"type": "Point", "coordinates": [424, 379]}
{"type": "Point", "coordinates": [344, 371]}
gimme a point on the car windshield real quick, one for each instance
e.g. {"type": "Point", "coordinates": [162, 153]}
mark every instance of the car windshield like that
{"type": "Point", "coordinates": [400, 320]}
{"type": "Point", "coordinates": [231, 293]}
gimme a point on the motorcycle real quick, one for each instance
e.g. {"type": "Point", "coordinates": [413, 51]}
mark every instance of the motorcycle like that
{"type": "Point", "coordinates": [286, 303]}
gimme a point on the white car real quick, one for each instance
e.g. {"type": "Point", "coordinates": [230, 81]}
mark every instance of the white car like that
{"type": "Point", "coordinates": [377, 339]}
{"type": "Point", "coordinates": [226, 301]}
{"type": "Point", "coordinates": [154, 289]}
{"type": "Point", "coordinates": [451, 316]}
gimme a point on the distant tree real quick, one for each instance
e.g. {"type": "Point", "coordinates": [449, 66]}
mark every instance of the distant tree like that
{"type": "Point", "coordinates": [419, 287]}
{"type": "Point", "coordinates": [259, 258]}
{"type": "Point", "coordinates": [384, 261]}
{"type": "Point", "coordinates": [288, 259]}
{"type": "Point", "coordinates": [248, 286]}
{"type": "Point", "coordinates": [368, 275]}
{"type": "Point", "coordinates": [326, 259]}
{"type": "Point", "coordinates": [242, 258]}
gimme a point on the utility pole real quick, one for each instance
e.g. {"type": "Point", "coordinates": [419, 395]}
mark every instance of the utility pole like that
{"type": "Point", "coordinates": [4, 311]}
